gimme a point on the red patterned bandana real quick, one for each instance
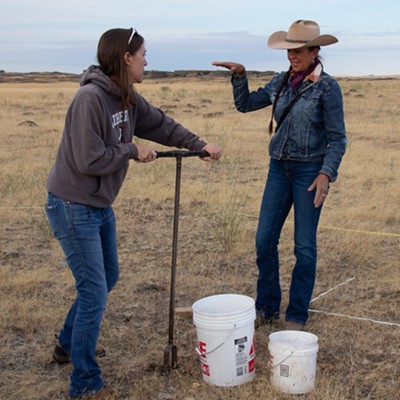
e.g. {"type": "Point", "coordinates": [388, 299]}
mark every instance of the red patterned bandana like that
{"type": "Point", "coordinates": [297, 78]}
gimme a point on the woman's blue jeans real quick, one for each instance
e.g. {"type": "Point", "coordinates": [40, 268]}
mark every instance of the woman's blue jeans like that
{"type": "Point", "coordinates": [87, 236]}
{"type": "Point", "coordinates": [287, 185]}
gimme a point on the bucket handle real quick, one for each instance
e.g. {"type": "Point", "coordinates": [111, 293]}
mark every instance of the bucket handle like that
{"type": "Point", "coordinates": [202, 354]}
{"type": "Point", "coordinates": [277, 365]}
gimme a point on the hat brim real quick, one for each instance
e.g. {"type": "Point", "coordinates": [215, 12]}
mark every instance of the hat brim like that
{"type": "Point", "coordinates": [278, 41]}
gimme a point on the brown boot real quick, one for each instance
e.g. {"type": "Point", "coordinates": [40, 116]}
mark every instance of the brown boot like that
{"type": "Point", "coordinates": [294, 326]}
{"type": "Point", "coordinates": [262, 319]}
{"type": "Point", "coordinates": [105, 393]}
{"type": "Point", "coordinates": [62, 357]}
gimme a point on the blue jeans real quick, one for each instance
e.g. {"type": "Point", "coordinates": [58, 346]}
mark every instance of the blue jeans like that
{"type": "Point", "coordinates": [287, 185]}
{"type": "Point", "coordinates": [87, 236]}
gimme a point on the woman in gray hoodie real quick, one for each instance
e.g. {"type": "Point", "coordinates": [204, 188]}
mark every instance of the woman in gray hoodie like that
{"type": "Point", "coordinates": [90, 167]}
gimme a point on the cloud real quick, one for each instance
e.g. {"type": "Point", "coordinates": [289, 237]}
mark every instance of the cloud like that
{"type": "Point", "coordinates": [359, 54]}
{"type": "Point", "coordinates": [183, 34]}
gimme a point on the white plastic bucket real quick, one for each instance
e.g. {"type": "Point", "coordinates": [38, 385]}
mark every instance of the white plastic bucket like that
{"type": "Point", "coordinates": [225, 338]}
{"type": "Point", "coordinates": [293, 361]}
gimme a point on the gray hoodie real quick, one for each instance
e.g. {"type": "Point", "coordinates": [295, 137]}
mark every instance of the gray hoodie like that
{"type": "Point", "coordinates": [96, 146]}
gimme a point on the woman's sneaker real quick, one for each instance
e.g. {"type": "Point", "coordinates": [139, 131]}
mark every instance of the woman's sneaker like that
{"type": "Point", "coordinates": [105, 393]}
{"type": "Point", "coordinates": [62, 357]}
{"type": "Point", "coordinates": [294, 326]}
{"type": "Point", "coordinates": [262, 319]}
{"type": "Point", "coordinates": [59, 354]}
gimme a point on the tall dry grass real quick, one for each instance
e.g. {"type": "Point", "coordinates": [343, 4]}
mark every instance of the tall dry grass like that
{"type": "Point", "coordinates": [358, 238]}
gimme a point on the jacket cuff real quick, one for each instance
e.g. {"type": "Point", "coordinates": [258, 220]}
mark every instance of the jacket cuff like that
{"type": "Point", "coordinates": [328, 171]}
{"type": "Point", "coordinates": [198, 145]}
{"type": "Point", "coordinates": [238, 78]}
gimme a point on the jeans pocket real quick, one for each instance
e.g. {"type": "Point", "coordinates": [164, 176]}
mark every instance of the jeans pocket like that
{"type": "Point", "coordinates": [52, 216]}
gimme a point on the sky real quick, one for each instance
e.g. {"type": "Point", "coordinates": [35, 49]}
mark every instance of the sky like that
{"type": "Point", "coordinates": [53, 35]}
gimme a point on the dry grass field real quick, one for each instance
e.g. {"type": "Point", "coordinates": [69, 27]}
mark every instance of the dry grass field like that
{"type": "Point", "coordinates": [357, 323]}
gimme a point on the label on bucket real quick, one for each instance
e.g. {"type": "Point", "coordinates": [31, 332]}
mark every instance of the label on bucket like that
{"type": "Point", "coordinates": [204, 366]}
{"type": "Point", "coordinates": [284, 370]}
{"type": "Point", "coordinates": [252, 357]}
{"type": "Point", "coordinates": [244, 359]}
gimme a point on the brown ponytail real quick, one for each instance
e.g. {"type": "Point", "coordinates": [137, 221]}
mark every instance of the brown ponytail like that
{"type": "Point", "coordinates": [112, 47]}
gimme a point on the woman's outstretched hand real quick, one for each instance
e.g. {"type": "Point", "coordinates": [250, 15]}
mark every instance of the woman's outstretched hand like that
{"type": "Point", "coordinates": [235, 68]}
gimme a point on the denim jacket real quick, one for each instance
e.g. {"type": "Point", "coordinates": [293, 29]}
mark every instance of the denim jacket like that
{"type": "Point", "coordinates": [313, 129]}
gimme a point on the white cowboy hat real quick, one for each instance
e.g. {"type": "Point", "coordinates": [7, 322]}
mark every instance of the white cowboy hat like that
{"type": "Point", "coordinates": [302, 33]}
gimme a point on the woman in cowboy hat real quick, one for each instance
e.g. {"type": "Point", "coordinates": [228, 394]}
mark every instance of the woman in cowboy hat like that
{"type": "Point", "coordinates": [305, 153]}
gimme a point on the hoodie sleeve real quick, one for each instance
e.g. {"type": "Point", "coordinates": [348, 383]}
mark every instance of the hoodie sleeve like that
{"type": "Point", "coordinates": [153, 124]}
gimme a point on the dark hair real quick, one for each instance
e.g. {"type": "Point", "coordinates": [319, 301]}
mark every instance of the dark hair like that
{"type": "Point", "coordinates": [284, 81]}
{"type": "Point", "coordinates": [111, 49]}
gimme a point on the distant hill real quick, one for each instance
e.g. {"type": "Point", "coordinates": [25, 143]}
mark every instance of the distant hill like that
{"type": "Point", "coordinates": [46, 77]}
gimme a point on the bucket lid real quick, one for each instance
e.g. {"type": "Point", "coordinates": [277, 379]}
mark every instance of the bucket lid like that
{"type": "Point", "coordinates": [294, 338]}
{"type": "Point", "coordinates": [223, 304]}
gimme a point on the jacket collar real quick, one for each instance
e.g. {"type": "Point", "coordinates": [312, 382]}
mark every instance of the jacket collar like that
{"type": "Point", "coordinates": [315, 74]}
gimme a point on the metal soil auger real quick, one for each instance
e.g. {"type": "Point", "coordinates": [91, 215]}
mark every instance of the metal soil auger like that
{"type": "Point", "coordinates": [171, 352]}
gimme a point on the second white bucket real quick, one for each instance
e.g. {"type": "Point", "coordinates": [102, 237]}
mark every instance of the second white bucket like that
{"type": "Point", "coordinates": [225, 338]}
{"type": "Point", "coordinates": [293, 361]}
